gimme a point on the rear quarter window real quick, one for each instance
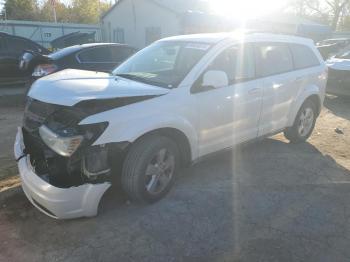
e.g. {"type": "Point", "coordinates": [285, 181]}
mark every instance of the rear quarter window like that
{"type": "Point", "coordinates": [303, 56]}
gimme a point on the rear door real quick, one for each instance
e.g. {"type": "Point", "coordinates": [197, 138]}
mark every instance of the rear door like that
{"type": "Point", "coordinates": [307, 66]}
{"type": "Point", "coordinates": [275, 67]}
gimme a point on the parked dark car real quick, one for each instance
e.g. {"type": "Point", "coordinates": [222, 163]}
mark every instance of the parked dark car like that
{"type": "Point", "coordinates": [330, 47]}
{"type": "Point", "coordinates": [102, 57]}
{"type": "Point", "coordinates": [11, 49]}
{"type": "Point", "coordinates": [339, 73]}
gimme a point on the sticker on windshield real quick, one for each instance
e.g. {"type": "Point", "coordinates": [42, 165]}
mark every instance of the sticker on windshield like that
{"type": "Point", "coordinates": [197, 46]}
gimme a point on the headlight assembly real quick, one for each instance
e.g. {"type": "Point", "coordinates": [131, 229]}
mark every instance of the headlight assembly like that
{"type": "Point", "coordinates": [64, 146]}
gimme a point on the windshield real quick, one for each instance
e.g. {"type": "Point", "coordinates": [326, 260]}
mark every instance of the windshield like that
{"type": "Point", "coordinates": [163, 64]}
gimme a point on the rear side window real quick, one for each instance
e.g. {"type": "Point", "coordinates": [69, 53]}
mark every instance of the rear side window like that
{"type": "Point", "coordinates": [273, 58]}
{"type": "Point", "coordinates": [303, 56]}
{"type": "Point", "coordinates": [101, 54]}
{"type": "Point", "coordinates": [237, 62]}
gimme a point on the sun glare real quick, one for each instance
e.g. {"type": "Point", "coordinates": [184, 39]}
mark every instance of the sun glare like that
{"type": "Point", "coordinates": [246, 9]}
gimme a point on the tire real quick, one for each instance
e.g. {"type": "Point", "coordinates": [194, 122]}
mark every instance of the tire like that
{"type": "Point", "coordinates": [294, 133]}
{"type": "Point", "coordinates": [145, 178]}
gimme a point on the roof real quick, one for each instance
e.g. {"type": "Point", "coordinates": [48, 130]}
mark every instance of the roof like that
{"type": "Point", "coordinates": [176, 6]}
{"type": "Point", "coordinates": [72, 49]}
{"type": "Point", "coordinates": [214, 38]}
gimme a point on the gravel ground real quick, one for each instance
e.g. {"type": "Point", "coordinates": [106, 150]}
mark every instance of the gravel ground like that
{"type": "Point", "coordinates": [268, 201]}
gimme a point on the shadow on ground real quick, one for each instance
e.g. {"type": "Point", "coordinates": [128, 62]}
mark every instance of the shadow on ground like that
{"type": "Point", "coordinates": [338, 105]}
{"type": "Point", "coordinates": [269, 201]}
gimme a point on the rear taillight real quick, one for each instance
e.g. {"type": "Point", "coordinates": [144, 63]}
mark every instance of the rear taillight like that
{"type": "Point", "coordinates": [44, 69]}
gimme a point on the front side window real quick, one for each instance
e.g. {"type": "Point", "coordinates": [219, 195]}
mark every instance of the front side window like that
{"type": "Point", "coordinates": [303, 56]}
{"type": "Point", "coordinates": [273, 58]}
{"type": "Point", "coordinates": [163, 64]}
{"type": "Point", "coordinates": [237, 62]}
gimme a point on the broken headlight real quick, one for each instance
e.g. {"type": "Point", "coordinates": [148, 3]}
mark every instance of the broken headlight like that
{"type": "Point", "coordinates": [62, 133]}
{"type": "Point", "coordinates": [64, 146]}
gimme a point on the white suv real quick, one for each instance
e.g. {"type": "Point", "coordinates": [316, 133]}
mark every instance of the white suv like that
{"type": "Point", "coordinates": [173, 102]}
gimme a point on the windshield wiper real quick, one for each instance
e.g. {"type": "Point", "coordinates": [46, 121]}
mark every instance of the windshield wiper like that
{"type": "Point", "coordinates": [140, 79]}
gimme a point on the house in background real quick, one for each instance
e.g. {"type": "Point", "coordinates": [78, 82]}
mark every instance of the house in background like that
{"type": "Point", "coordinates": [141, 22]}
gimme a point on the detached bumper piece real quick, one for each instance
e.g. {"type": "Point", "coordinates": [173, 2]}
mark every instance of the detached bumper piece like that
{"type": "Point", "coordinates": [66, 202]}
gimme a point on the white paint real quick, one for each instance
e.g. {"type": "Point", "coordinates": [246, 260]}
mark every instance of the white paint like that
{"type": "Point", "coordinates": [211, 120]}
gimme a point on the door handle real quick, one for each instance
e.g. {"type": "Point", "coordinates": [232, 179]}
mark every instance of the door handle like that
{"type": "Point", "coordinates": [254, 91]}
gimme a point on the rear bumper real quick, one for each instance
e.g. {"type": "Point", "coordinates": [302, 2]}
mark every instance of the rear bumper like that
{"type": "Point", "coordinates": [62, 203]}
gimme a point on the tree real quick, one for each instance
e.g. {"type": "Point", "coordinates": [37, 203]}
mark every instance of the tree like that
{"type": "Point", "coordinates": [331, 10]}
{"type": "Point", "coordinates": [88, 11]}
{"type": "Point", "coordinates": [63, 12]}
{"type": "Point", "coordinates": [21, 9]}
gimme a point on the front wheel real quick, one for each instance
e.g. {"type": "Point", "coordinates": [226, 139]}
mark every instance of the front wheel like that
{"type": "Point", "coordinates": [149, 168]}
{"type": "Point", "coordinates": [303, 125]}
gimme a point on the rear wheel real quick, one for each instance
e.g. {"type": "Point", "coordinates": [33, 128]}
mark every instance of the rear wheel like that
{"type": "Point", "coordinates": [149, 168]}
{"type": "Point", "coordinates": [303, 125]}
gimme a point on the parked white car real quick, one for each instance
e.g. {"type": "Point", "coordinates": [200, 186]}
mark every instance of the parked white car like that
{"type": "Point", "coordinates": [170, 104]}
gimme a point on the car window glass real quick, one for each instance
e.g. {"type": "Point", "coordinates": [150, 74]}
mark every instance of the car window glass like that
{"type": "Point", "coordinates": [273, 58]}
{"type": "Point", "coordinates": [303, 56]}
{"type": "Point", "coordinates": [237, 62]}
{"type": "Point", "coordinates": [120, 53]}
{"type": "Point", "coordinates": [160, 59]}
{"type": "Point", "coordinates": [96, 55]}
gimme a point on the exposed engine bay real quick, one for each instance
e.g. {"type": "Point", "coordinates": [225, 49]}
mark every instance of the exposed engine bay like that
{"type": "Point", "coordinates": [87, 164]}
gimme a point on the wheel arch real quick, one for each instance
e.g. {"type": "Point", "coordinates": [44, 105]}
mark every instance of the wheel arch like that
{"type": "Point", "coordinates": [312, 94]}
{"type": "Point", "coordinates": [176, 135]}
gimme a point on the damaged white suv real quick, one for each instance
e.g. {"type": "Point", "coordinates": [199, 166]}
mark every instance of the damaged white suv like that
{"type": "Point", "coordinates": [173, 102]}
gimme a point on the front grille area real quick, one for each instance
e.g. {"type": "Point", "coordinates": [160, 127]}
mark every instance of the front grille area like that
{"type": "Point", "coordinates": [57, 170]}
{"type": "Point", "coordinates": [61, 172]}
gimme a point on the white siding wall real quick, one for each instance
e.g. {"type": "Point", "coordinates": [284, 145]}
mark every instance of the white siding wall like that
{"type": "Point", "coordinates": [134, 16]}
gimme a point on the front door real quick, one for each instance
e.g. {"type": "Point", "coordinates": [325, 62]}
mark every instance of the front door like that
{"type": "Point", "coordinates": [229, 115]}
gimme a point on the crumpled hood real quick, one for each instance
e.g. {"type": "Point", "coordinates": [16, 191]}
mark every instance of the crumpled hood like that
{"type": "Point", "coordinates": [338, 64]}
{"type": "Point", "coordinates": [71, 86]}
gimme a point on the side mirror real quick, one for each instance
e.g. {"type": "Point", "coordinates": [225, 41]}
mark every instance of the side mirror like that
{"type": "Point", "coordinates": [214, 79]}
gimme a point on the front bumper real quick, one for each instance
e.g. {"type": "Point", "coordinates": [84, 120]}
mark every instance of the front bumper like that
{"type": "Point", "coordinates": [62, 203]}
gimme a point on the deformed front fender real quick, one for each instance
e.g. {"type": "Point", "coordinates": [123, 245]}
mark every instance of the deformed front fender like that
{"type": "Point", "coordinates": [131, 129]}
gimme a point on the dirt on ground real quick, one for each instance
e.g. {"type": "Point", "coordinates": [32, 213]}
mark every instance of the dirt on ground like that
{"type": "Point", "coordinates": [10, 119]}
